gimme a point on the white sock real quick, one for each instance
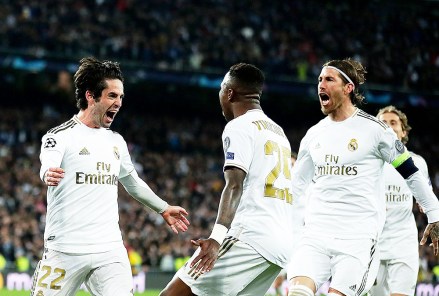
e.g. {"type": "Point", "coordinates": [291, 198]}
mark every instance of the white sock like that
{"type": "Point", "coordinates": [300, 290]}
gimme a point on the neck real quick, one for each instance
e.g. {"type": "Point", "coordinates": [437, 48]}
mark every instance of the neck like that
{"type": "Point", "coordinates": [342, 113]}
{"type": "Point", "coordinates": [244, 107]}
{"type": "Point", "coordinates": [86, 118]}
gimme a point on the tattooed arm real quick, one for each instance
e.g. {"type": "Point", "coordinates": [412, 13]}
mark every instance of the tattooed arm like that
{"type": "Point", "coordinates": [432, 231]}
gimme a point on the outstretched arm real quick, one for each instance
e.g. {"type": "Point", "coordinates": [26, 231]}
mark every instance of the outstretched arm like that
{"type": "Point", "coordinates": [229, 202]}
{"type": "Point", "coordinates": [174, 216]}
{"type": "Point", "coordinates": [425, 196]}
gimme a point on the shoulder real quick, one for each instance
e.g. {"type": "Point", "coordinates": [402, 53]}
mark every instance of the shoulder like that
{"type": "Point", "coordinates": [319, 126]}
{"type": "Point", "coordinates": [115, 136]}
{"type": "Point", "coordinates": [418, 159]}
{"type": "Point", "coordinates": [370, 120]}
{"type": "Point", "coordinates": [62, 128]}
{"type": "Point", "coordinates": [240, 122]}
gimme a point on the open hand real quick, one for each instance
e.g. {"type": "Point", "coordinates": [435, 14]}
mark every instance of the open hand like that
{"type": "Point", "coordinates": [432, 231]}
{"type": "Point", "coordinates": [175, 217]}
{"type": "Point", "coordinates": [207, 256]}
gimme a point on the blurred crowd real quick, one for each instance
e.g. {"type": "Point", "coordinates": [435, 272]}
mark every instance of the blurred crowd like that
{"type": "Point", "coordinates": [181, 159]}
{"type": "Point", "coordinates": [396, 41]}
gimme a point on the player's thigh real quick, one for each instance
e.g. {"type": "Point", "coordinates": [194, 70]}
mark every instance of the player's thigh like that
{"type": "Point", "coordinates": [403, 275]}
{"type": "Point", "coordinates": [59, 273]}
{"type": "Point", "coordinates": [350, 264]}
{"type": "Point", "coordinates": [111, 274]}
{"type": "Point", "coordinates": [238, 265]}
{"type": "Point", "coordinates": [380, 286]}
{"type": "Point", "coordinates": [311, 259]}
{"type": "Point", "coordinates": [261, 284]}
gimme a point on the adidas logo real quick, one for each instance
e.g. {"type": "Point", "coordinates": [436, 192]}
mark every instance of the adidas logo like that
{"type": "Point", "coordinates": [353, 287]}
{"type": "Point", "coordinates": [84, 151]}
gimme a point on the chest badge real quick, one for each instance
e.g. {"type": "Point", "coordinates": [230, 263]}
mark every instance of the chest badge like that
{"type": "Point", "coordinates": [353, 145]}
{"type": "Point", "coordinates": [116, 152]}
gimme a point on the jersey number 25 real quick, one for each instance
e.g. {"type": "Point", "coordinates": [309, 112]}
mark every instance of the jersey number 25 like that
{"type": "Point", "coordinates": [283, 155]}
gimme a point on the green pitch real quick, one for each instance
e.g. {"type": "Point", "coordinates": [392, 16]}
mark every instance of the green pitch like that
{"type": "Point", "coordinates": [4, 292]}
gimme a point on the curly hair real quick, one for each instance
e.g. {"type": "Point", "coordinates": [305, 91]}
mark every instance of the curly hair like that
{"type": "Point", "coordinates": [92, 75]}
{"type": "Point", "coordinates": [355, 71]}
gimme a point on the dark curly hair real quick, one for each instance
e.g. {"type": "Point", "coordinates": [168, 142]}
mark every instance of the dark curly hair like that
{"type": "Point", "coordinates": [91, 76]}
{"type": "Point", "coordinates": [355, 71]}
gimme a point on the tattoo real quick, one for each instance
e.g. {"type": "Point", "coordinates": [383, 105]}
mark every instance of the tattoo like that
{"type": "Point", "coordinates": [434, 233]}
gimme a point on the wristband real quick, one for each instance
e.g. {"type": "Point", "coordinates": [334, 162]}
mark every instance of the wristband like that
{"type": "Point", "coordinates": [218, 233]}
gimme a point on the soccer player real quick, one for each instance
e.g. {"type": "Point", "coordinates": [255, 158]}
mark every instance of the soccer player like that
{"type": "Point", "coordinates": [343, 157]}
{"type": "Point", "coordinates": [82, 162]}
{"type": "Point", "coordinates": [398, 243]}
{"type": "Point", "coordinates": [249, 244]}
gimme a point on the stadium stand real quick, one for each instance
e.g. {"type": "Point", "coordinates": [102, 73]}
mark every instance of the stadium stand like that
{"type": "Point", "coordinates": [181, 156]}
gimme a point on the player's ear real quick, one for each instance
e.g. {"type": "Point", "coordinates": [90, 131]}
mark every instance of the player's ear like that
{"type": "Point", "coordinates": [89, 97]}
{"type": "Point", "coordinates": [349, 87]}
{"type": "Point", "coordinates": [230, 94]}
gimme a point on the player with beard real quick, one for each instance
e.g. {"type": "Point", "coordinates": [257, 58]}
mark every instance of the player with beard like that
{"type": "Point", "coordinates": [343, 158]}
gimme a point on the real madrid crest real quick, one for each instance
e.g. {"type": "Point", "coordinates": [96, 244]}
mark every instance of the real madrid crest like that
{"type": "Point", "coordinates": [226, 144]}
{"type": "Point", "coordinates": [353, 145]}
{"type": "Point", "coordinates": [116, 152]}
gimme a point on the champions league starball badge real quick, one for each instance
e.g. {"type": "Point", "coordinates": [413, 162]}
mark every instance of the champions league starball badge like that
{"type": "Point", "coordinates": [50, 143]}
{"type": "Point", "coordinates": [399, 146]}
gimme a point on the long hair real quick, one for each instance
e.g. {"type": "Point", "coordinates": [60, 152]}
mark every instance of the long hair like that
{"type": "Point", "coordinates": [356, 72]}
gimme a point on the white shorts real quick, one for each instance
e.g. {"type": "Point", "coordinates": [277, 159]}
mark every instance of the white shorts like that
{"type": "Point", "coordinates": [239, 270]}
{"type": "Point", "coordinates": [345, 261]}
{"type": "Point", "coordinates": [107, 273]}
{"type": "Point", "coordinates": [396, 276]}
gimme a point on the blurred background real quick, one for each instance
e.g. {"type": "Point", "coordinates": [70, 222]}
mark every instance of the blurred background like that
{"type": "Point", "coordinates": [174, 54]}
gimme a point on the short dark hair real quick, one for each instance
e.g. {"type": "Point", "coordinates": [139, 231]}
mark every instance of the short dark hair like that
{"type": "Point", "coordinates": [355, 71]}
{"type": "Point", "coordinates": [91, 76]}
{"type": "Point", "coordinates": [248, 76]}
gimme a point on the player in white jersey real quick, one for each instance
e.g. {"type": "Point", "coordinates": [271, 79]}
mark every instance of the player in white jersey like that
{"type": "Point", "coordinates": [343, 157]}
{"type": "Point", "coordinates": [398, 243]}
{"type": "Point", "coordinates": [82, 162]}
{"type": "Point", "coordinates": [249, 244]}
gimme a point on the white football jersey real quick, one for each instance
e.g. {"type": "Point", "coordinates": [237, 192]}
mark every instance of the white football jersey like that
{"type": "Point", "coordinates": [264, 218]}
{"type": "Point", "coordinates": [82, 211]}
{"type": "Point", "coordinates": [344, 161]}
{"type": "Point", "coordinates": [400, 226]}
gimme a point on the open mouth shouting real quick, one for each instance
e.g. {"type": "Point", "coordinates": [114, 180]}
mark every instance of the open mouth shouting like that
{"type": "Point", "coordinates": [324, 98]}
{"type": "Point", "coordinates": [109, 116]}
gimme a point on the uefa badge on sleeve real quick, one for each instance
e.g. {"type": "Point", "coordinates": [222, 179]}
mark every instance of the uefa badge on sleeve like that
{"type": "Point", "coordinates": [50, 143]}
{"type": "Point", "coordinates": [399, 146]}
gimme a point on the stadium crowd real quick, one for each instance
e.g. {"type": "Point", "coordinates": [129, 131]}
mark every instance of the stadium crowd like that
{"type": "Point", "coordinates": [181, 159]}
{"type": "Point", "coordinates": [397, 42]}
